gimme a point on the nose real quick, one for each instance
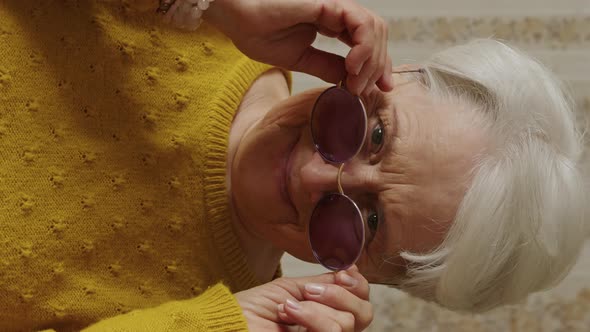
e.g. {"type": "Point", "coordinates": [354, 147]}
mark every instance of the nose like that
{"type": "Point", "coordinates": [318, 177]}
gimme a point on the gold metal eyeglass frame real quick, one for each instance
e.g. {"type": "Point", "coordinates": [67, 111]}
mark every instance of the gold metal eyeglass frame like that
{"type": "Point", "coordinates": [341, 168]}
{"type": "Point", "coordinates": [339, 175]}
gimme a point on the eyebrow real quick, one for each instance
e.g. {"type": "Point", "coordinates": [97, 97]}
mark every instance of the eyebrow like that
{"type": "Point", "coordinates": [391, 133]}
{"type": "Point", "coordinates": [391, 127]}
{"type": "Point", "coordinates": [388, 115]}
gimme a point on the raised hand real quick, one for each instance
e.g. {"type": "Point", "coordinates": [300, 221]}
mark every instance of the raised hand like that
{"type": "Point", "coordinates": [327, 302]}
{"type": "Point", "coordinates": [280, 33]}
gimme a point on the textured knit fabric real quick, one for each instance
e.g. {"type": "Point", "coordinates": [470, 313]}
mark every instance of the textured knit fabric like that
{"type": "Point", "coordinates": [113, 137]}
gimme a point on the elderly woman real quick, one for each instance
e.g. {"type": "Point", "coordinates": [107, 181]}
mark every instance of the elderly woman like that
{"type": "Point", "coordinates": [152, 179]}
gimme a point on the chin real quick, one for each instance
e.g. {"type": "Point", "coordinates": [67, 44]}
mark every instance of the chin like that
{"type": "Point", "coordinates": [306, 256]}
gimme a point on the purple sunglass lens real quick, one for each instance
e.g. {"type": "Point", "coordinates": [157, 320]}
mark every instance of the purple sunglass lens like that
{"type": "Point", "coordinates": [336, 232]}
{"type": "Point", "coordinates": [338, 124]}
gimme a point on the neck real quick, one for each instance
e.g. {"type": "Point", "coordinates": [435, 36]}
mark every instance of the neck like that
{"type": "Point", "coordinates": [263, 259]}
{"type": "Point", "coordinates": [269, 89]}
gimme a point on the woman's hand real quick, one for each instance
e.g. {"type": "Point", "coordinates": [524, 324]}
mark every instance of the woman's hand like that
{"type": "Point", "coordinates": [280, 33]}
{"type": "Point", "coordinates": [328, 302]}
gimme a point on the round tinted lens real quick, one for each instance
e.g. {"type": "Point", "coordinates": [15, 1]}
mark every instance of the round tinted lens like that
{"type": "Point", "coordinates": [336, 232]}
{"type": "Point", "coordinates": [338, 124]}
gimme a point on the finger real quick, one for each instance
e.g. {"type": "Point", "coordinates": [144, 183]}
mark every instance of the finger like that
{"type": "Point", "coordinates": [184, 15]}
{"type": "Point", "coordinates": [370, 70]}
{"type": "Point", "coordinates": [358, 64]}
{"type": "Point", "coordinates": [327, 66]}
{"type": "Point", "coordinates": [340, 299]}
{"type": "Point", "coordinates": [346, 39]}
{"type": "Point", "coordinates": [381, 56]}
{"type": "Point", "coordinates": [296, 286]}
{"type": "Point", "coordinates": [356, 58]}
{"type": "Point", "coordinates": [360, 26]}
{"type": "Point", "coordinates": [359, 37]}
{"type": "Point", "coordinates": [193, 19]}
{"type": "Point", "coordinates": [180, 13]}
{"type": "Point", "coordinates": [330, 17]}
{"type": "Point", "coordinates": [357, 84]}
{"type": "Point", "coordinates": [171, 11]}
{"type": "Point", "coordinates": [327, 33]}
{"type": "Point", "coordinates": [378, 67]}
{"type": "Point", "coordinates": [318, 317]}
{"type": "Point", "coordinates": [353, 267]}
{"type": "Point", "coordinates": [283, 316]}
{"type": "Point", "coordinates": [385, 82]}
{"type": "Point", "coordinates": [354, 282]}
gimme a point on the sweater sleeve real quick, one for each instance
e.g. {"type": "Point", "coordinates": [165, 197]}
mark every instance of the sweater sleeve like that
{"type": "Point", "coordinates": [214, 310]}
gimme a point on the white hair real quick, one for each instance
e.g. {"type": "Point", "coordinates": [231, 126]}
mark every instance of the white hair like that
{"type": "Point", "coordinates": [521, 223]}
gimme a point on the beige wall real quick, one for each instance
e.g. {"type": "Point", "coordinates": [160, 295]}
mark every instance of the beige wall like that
{"type": "Point", "coordinates": [555, 32]}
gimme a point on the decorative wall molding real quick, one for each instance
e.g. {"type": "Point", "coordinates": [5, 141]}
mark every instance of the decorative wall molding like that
{"type": "Point", "coordinates": [553, 31]}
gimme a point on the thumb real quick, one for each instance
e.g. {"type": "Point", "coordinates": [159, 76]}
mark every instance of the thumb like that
{"type": "Point", "coordinates": [327, 66]}
{"type": "Point", "coordinates": [296, 286]}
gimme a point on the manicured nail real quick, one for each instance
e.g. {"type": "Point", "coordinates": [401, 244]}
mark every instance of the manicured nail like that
{"type": "Point", "coordinates": [281, 308]}
{"type": "Point", "coordinates": [347, 280]}
{"type": "Point", "coordinates": [357, 70]}
{"type": "Point", "coordinates": [389, 79]}
{"type": "Point", "coordinates": [315, 289]}
{"type": "Point", "coordinates": [293, 304]}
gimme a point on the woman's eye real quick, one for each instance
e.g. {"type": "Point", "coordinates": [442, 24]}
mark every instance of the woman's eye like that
{"type": "Point", "coordinates": [377, 138]}
{"type": "Point", "coordinates": [373, 222]}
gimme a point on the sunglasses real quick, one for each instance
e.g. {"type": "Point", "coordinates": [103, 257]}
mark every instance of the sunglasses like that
{"type": "Point", "coordinates": [338, 129]}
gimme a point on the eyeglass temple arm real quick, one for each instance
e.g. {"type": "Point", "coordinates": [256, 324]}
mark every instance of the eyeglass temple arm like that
{"type": "Point", "coordinates": [419, 70]}
{"type": "Point", "coordinates": [338, 179]}
{"type": "Point", "coordinates": [339, 176]}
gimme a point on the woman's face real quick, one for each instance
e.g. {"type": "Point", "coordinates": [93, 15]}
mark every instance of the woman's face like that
{"type": "Point", "coordinates": [408, 178]}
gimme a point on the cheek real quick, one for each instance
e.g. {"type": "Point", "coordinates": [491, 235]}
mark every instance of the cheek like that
{"type": "Point", "coordinates": [294, 111]}
{"type": "Point", "coordinates": [425, 234]}
{"type": "Point", "coordinates": [293, 240]}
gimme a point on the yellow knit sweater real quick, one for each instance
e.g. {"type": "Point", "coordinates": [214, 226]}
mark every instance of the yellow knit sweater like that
{"type": "Point", "coordinates": [113, 134]}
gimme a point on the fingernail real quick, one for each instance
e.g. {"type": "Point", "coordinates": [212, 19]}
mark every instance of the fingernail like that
{"type": "Point", "coordinates": [357, 70]}
{"type": "Point", "coordinates": [281, 308]}
{"type": "Point", "coordinates": [389, 79]}
{"type": "Point", "coordinates": [315, 289]}
{"type": "Point", "coordinates": [347, 280]}
{"type": "Point", "coordinates": [353, 267]}
{"type": "Point", "coordinates": [293, 304]}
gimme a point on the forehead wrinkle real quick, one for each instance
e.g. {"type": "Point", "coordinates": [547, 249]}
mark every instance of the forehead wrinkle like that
{"type": "Point", "coordinates": [404, 159]}
{"type": "Point", "coordinates": [371, 179]}
{"type": "Point", "coordinates": [396, 216]}
{"type": "Point", "coordinates": [401, 171]}
{"type": "Point", "coordinates": [395, 197]}
{"type": "Point", "coordinates": [394, 164]}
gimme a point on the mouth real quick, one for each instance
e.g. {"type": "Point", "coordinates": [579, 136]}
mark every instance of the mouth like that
{"type": "Point", "coordinates": [286, 167]}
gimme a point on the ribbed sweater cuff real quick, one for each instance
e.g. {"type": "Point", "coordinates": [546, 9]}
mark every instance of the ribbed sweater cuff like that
{"type": "Point", "coordinates": [220, 310]}
{"type": "Point", "coordinates": [215, 310]}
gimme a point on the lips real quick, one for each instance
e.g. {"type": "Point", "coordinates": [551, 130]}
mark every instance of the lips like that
{"type": "Point", "coordinates": [285, 181]}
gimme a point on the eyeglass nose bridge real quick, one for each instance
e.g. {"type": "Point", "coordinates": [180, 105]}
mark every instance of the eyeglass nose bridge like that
{"type": "Point", "coordinates": [339, 179]}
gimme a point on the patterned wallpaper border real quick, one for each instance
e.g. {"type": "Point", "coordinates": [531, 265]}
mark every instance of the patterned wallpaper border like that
{"type": "Point", "coordinates": [555, 32]}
